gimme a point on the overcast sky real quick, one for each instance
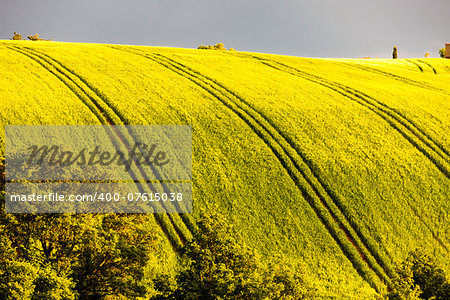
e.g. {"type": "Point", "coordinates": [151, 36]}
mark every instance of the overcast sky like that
{"type": "Point", "coordinates": [320, 28]}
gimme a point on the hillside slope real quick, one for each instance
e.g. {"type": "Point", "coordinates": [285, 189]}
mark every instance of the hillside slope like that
{"type": "Point", "coordinates": [341, 164]}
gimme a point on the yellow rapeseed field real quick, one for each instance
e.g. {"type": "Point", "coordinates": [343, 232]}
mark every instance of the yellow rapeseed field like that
{"type": "Point", "coordinates": [341, 164]}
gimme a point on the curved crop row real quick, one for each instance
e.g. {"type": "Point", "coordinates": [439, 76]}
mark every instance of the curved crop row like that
{"type": "Point", "coordinates": [294, 164]}
{"type": "Point", "coordinates": [432, 68]}
{"type": "Point", "coordinates": [416, 64]}
{"type": "Point", "coordinates": [183, 233]}
{"type": "Point", "coordinates": [397, 121]}
{"type": "Point", "coordinates": [175, 233]}
{"type": "Point", "coordinates": [406, 80]}
{"type": "Point", "coordinates": [431, 148]}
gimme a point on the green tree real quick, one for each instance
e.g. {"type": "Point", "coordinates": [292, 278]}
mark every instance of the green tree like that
{"type": "Point", "coordinates": [442, 52]}
{"type": "Point", "coordinates": [395, 53]}
{"type": "Point", "coordinates": [418, 277]}
{"type": "Point", "coordinates": [404, 287]}
{"type": "Point", "coordinates": [219, 267]}
{"type": "Point", "coordinates": [429, 277]}
{"type": "Point", "coordinates": [91, 256]}
{"type": "Point", "coordinates": [112, 257]}
{"type": "Point", "coordinates": [50, 285]}
{"type": "Point", "coordinates": [23, 280]}
{"type": "Point", "coordinates": [17, 279]}
{"type": "Point", "coordinates": [60, 256]}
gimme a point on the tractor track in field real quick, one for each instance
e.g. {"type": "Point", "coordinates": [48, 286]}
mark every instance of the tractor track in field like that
{"type": "Point", "coordinates": [106, 116]}
{"type": "Point", "coordinates": [427, 226]}
{"type": "Point", "coordinates": [70, 85]}
{"type": "Point", "coordinates": [295, 164]}
{"type": "Point", "coordinates": [409, 124]}
{"type": "Point", "coordinates": [188, 222]}
{"type": "Point", "coordinates": [412, 82]}
{"type": "Point", "coordinates": [430, 148]}
{"type": "Point", "coordinates": [416, 64]}
{"type": "Point", "coordinates": [428, 64]}
{"type": "Point", "coordinates": [444, 154]}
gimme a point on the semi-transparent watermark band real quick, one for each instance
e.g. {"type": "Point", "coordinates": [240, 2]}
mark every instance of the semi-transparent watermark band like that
{"type": "Point", "coordinates": [110, 169]}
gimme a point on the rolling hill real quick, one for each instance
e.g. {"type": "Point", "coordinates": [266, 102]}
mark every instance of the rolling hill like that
{"type": "Point", "coordinates": [342, 164]}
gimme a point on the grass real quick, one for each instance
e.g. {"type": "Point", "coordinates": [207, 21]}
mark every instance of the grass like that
{"type": "Point", "coordinates": [342, 164]}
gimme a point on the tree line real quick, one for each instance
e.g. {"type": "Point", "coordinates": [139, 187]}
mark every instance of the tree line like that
{"type": "Point", "coordinates": [35, 37]}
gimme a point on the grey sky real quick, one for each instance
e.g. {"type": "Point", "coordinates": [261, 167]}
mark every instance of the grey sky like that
{"type": "Point", "coordinates": [320, 28]}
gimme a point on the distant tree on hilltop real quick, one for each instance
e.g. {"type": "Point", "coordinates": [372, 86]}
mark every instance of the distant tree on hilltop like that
{"type": "Point", "coordinates": [34, 37]}
{"type": "Point", "coordinates": [395, 53]}
{"type": "Point", "coordinates": [442, 52]}
{"type": "Point", "coordinates": [218, 46]}
{"type": "Point", "coordinates": [17, 36]}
